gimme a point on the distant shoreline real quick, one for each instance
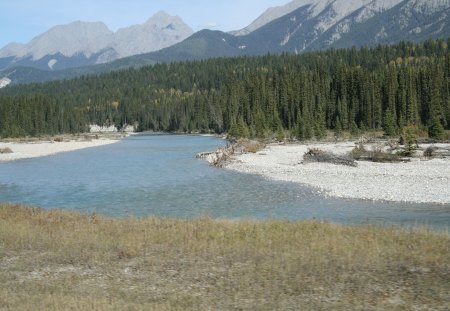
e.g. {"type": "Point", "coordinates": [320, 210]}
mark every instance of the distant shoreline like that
{"type": "Point", "coordinates": [418, 181]}
{"type": "Point", "coordinates": [33, 148]}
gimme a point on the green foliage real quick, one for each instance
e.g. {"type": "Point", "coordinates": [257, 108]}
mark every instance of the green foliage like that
{"type": "Point", "coordinates": [436, 130]}
{"type": "Point", "coordinates": [239, 130]}
{"type": "Point", "coordinates": [354, 130]}
{"type": "Point", "coordinates": [410, 140]}
{"type": "Point", "coordinates": [390, 125]}
{"type": "Point", "coordinates": [305, 95]}
{"type": "Point", "coordinates": [280, 134]}
{"type": "Point", "coordinates": [338, 128]}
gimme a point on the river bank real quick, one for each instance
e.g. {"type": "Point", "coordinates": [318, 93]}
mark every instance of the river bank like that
{"type": "Point", "coordinates": [420, 180]}
{"type": "Point", "coordinates": [17, 149]}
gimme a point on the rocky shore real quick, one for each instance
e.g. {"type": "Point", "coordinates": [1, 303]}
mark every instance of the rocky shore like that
{"type": "Point", "coordinates": [420, 179]}
{"type": "Point", "coordinates": [32, 148]}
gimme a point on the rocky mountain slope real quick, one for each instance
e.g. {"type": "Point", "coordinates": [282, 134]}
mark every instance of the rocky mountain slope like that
{"type": "Point", "coordinates": [307, 25]}
{"type": "Point", "coordinates": [81, 43]}
{"type": "Point", "coordinates": [271, 14]}
{"type": "Point", "coordinates": [322, 24]}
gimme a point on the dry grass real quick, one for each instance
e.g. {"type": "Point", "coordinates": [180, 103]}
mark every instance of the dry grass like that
{"type": "Point", "coordinates": [55, 260]}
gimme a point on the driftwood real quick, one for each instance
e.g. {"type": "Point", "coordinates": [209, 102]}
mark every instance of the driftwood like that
{"type": "Point", "coordinates": [222, 155]}
{"type": "Point", "coordinates": [316, 155]}
{"type": "Point", "coordinates": [203, 155]}
{"type": "Point", "coordinates": [6, 150]}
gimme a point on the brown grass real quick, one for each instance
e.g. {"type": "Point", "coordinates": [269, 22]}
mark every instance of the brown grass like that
{"type": "Point", "coordinates": [56, 260]}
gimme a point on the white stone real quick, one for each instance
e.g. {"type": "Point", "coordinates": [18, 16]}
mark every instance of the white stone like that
{"type": "Point", "coordinates": [416, 181]}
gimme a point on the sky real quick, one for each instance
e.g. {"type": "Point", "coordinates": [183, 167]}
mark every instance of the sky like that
{"type": "Point", "coordinates": [22, 20]}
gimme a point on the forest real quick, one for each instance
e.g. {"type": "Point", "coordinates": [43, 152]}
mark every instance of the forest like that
{"type": "Point", "coordinates": [298, 96]}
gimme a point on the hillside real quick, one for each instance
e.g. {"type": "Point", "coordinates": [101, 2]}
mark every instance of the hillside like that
{"type": "Point", "coordinates": [309, 25]}
{"type": "Point", "coordinates": [386, 88]}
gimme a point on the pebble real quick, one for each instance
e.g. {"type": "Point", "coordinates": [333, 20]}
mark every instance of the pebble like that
{"type": "Point", "coordinates": [416, 181]}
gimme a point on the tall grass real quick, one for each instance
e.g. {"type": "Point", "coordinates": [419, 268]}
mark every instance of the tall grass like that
{"type": "Point", "coordinates": [59, 260]}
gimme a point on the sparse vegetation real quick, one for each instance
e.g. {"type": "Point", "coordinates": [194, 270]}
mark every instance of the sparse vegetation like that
{"type": "Point", "coordinates": [436, 152]}
{"type": "Point", "coordinates": [56, 260]}
{"type": "Point", "coordinates": [360, 153]}
{"type": "Point", "coordinates": [317, 155]}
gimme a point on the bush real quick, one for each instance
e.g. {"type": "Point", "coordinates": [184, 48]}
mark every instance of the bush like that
{"type": "Point", "coordinates": [409, 140]}
{"type": "Point", "coordinates": [429, 152]}
{"type": "Point", "coordinates": [360, 153]}
{"type": "Point", "coordinates": [320, 156]}
{"type": "Point", "coordinates": [384, 157]}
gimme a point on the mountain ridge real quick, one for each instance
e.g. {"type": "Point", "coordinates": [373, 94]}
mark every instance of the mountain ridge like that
{"type": "Point", "coordinates": [315, 25]}
{"type": "Point", "coordinates": [96, 42]}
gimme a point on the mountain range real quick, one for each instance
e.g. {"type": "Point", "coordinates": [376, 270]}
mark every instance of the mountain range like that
{"type": "Point", "coordinates": [298, 27]}
{"type": "Point", "coordinates": [312, 25]}
{"type": "Point", "coordinates": [82, 43]}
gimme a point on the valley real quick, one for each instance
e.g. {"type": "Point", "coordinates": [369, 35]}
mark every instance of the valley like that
{"type": "Point", "coordinates": [296, 161]}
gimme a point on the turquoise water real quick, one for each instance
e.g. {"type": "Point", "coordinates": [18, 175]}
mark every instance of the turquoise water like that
{"type": "Point", "coordinates": [159, 175]}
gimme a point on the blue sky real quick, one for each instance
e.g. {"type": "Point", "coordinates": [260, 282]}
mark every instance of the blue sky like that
{"type": "Point", "coordinates": [22, 20]}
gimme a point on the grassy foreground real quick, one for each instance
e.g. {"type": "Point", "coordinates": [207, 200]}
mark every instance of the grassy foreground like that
{"type": "Point", "coordinates": [58, 260]}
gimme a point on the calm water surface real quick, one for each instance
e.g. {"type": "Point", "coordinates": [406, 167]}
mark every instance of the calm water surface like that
{"type": "Point", "coordinates": [159, 175]}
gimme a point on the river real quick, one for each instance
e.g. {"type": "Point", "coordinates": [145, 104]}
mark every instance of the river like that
{"type": "Point", "coordinates": [150, 174]}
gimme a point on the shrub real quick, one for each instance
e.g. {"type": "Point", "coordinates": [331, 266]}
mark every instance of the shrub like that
{"type": "Point", "coordinates": [360, 153]}
{"type": "Point", "coordinates": [429, 152]}
{"type": "Point", "coordinates": [317, 155]}
{"type": "Point", "coordinates": [409, 140]}
{"type": "Point", "coordinates": [384, 157]}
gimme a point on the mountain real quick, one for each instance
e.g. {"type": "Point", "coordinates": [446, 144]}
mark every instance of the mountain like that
{"type": "Point", "coordinates": [82, 43]}
{"type": "Point", "coordinates": [322, 24]}
{"type": "Point", "coordinates": [271, 14]}
{"type": "Point", "coordinates": [411, 20]}
{"type": "Point", "coordinates": [159, 32]}
{"type": "Point", "coordinates": [309, 25]}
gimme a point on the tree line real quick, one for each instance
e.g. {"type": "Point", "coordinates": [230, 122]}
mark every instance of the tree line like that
{"type": "Point", "coordinates": [382, 88]}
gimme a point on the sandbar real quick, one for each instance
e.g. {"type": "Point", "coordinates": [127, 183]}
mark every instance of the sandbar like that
{"type": "Point", "coordinates": [420, 181]}
{"type": "Point", "coordinates": [27, 150]}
